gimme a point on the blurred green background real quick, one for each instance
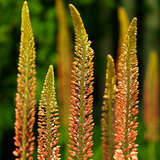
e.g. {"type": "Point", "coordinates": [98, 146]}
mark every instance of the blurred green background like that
{"type": "Point", "coordinates": [101, 22]}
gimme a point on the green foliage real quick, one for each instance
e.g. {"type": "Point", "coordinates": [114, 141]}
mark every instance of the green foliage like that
{"type": "Point", "coordinates": [110, 3]}
{"type": "Point", "coordinates": [85, 1]}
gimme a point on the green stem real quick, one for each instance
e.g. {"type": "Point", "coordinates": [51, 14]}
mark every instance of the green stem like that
{"type": "Point", "coordinates": [127, 105]}
{"type": "Point", "coordinates": [110, 120]}
{"type": "Point", "coordinates": [26, 90]}
{"type": "Point", "coordinates": [48, 110]}
{"type": "Point", "coordinates": [82, 101]}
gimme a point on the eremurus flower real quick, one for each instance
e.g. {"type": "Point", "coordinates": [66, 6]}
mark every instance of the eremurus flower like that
{"type": "Point", "coordinates": [127, 98]}
{"type": "Point", "coordinates": [48, 121]}
{"type": "Point", "coordinates": [26, 87]}
{"type": "Point", "coordinates": [81, 119]}
{"type": "Point", "coordinates": [108, 110]}
{"type": "Point", "coordinates": [64, 53]}
{"type": "Point", "coordinates": [123, 25]}
{"type": "Point", "coordinates": [151, 104]}
{"type": "Point", "coordinates": [151, 97]}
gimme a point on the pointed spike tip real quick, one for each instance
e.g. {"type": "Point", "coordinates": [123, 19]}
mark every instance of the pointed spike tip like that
{"type": "Point", "coordinates": [121, 9]}
{"type": "Point", "coordinates": [25, 6]}
{"type": "Point", "coordinates": [50, 71]}
{"type": "Point", "coordinates": [133, 27]}
{"type": "Point", "coordinates": [73, 10]}
{"type": "Point", "coordinates": [109, 58]}
{"type": "Point", "coordinates": [77, 20]}
{"type": "Point", "coordinates": [25, 3]}
{"type": "Point", "coordinates": [50, 68]}
{"type": "Point", "coordinates": [72, 7]}
{"type": "Point", "coordinates": [134, 21]}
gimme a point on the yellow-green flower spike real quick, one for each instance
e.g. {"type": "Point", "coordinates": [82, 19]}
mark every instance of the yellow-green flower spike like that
{"type": "Point", "coordinates": [108, 109]}
{"type": "Point", "coordinates": [123, 25]}
{"type": "Point", "coordinates": [64, 53]}
{"type": "Point", "coordinates": [151, 97]}
{"type": "Point", "coordinates": [26, 88]}
{"type": "Point", "coordinates": [151, 104]}
{"type": "Point", "coordinates": [48, 120]}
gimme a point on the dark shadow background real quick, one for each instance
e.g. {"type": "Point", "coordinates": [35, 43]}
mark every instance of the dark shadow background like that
{"type": "Point", "coordinates": [101, 22]}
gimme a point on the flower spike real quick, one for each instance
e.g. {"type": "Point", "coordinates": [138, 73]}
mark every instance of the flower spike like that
{"type": "Point", "coordinates": [26, 88]}
{"type": "Point", "coordinates": [151, 104]}
{"type": "Point", "coordinates": [127, 98]}
{"type": "Point", "coordinates": [151, 97]}
{"type": "Point", "coordinates": [48, 120]}
{"type": "Point", "coordinates": [64, 62]}
{"type": "Point", "coordinates": [108, 109]}
{"type": "Point", "coordinates": [123, 25]}
{"type": "Point", "coordinates": [81, 119]}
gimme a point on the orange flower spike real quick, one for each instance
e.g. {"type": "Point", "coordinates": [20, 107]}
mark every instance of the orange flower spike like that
{"type": "Point", "coordinates": [127, 97]}
{"type": "Point", "coordinates": [26, 88]}
{"type": "Point", "coordinates": [48, 121]}
{"type": "Point", "coordinates": [81, 119]}
{"type": "Point", "coordinates": [108, 109]}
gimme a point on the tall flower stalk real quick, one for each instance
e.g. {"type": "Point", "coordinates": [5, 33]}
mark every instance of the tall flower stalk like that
{"type": "Point", "coordinates": [123, 25]}
{"type": "Point", "coordinates": [64, 50]}
{"type": "Point", "coordinates": [108, 111]}
{"type": "Point", "coordinates": [151, 104]}
{"type": "Point", "coordinates": [26, 88]}
{"type": "Point", "coordinates": [48, 121]}
{"type": "Point", "coordinates": [127, 98]}
{"type": "Point", "coordinates": [81, 119]}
